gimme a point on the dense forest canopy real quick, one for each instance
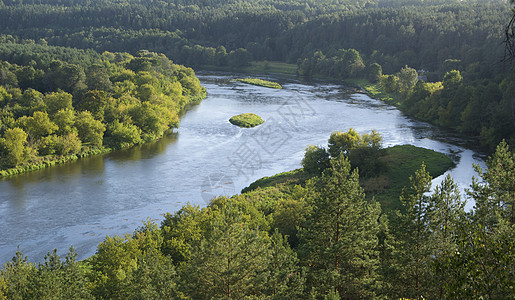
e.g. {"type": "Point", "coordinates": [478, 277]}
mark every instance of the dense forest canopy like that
{"type": "Point", "coordinates": [396, 33]}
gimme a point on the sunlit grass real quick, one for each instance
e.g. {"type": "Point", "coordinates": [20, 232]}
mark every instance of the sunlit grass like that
{"type": "Point", "coordinates": [260, 82]}
{"type": "Point", "coordinates": [246, 120]}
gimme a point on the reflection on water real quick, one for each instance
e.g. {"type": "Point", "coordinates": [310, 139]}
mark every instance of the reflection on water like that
{"type": "Point", "coordinates": [81, 202]}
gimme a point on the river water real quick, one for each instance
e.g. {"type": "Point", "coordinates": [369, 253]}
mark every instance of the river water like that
{"type": "Point", "coordinates": [79, 203]}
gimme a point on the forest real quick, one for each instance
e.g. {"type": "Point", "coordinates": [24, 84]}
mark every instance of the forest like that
{"type": "Point", "coordinates": [67, 103]}
{"type": "Point", "coordinates": [85, 77]}
{"type": "Point", "coordinates": [321, 37]}
{"type": "Point", "coordinates": [314, 236]}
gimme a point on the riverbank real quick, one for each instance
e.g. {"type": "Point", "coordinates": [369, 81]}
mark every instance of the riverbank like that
{"type": "Point", "coordinates": [49, 161]}
{"type": "Point", "coordinates": [259, 68]}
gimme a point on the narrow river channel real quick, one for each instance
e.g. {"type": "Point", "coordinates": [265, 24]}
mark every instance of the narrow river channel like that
{"type": "Point", "coordinates": [79, 203]}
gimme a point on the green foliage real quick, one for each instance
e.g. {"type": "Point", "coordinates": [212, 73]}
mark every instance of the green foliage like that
{"type": "Point", "coordinates": [240, 247]}
{"type": "Point", "coordinates": [343, 142]}
{"type": "Point", "coordinates": [452, 79]}
{"type": "Point", "coordinates": [13, 146]}
{"type": "Point", "coordinates": [123, 135]}
{"type": "Point", "coordinates": [494, 194]}
{"type": "Point", "coordinates": [340, 235]}
{"type": "Point", "coordinates": [90, 131]}
{"type": "Point", "coordinates": [412, 247]}
{"type": "Point", "coordinates": [246, 120]}
{"type": "Point", "coordinates": [363, 150]}
{"type": "Point", "coordinates": [64, 108]}
{"type": "Point", "coordinates": [57, 101]}
{"type": "Point", "coordinates": [374, 72]}
{"type": "Point", "coordinates": [52, 280]}
{"type": "Point", "coordinates": [231, 261]}
{"type": "Point", "coordinates": [408, 77]}
{"type": "Point", "coordinates": [38, 125]}
{"type": "Point", "coordinates": [316, 160]}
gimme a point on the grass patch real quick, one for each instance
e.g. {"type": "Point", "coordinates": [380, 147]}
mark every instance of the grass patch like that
{"type": "Point", "coordinates": [260, 82]}
{"type": "Point", "coordinates": [374, 90]}
{"type": "Point", "coordinates": [400, 163]}
{"type": "Point", "coordinates": [246, 120]}
{"type": "Point", "coordinates": [290, 178]}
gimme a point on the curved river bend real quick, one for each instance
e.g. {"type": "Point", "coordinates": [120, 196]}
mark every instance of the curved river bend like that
{"type": "Point", "coordinates": [80, 203]}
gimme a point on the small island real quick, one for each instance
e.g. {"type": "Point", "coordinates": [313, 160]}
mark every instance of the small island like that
{"type": "Point", "coordinates": [246, 120]}
{"type": "Point", "coordinates": [260, 82]}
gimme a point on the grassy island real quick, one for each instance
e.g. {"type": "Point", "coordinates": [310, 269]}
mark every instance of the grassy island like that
{"type": "Point", "coordinates": [400, 162]}
{"type": "Point", "coordinates": [246, 120]}
{"type": "Point", "coordinates": [260, 82]}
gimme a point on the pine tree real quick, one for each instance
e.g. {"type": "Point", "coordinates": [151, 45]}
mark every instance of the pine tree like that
{"type": "Point", "coordinates": [287, 279]}
{"type": "Point", "coordinates": [495, 193]}
{"type": "Point", "coordinates": [483, 264]}
{"type": "Point", "coordinates": [412, 248]}
{"type": "Point", "coordinates": [446, 209]}
{"type": "Point", "coordinates": [339, 238]}
{"type": "Point", "coordinates": [230, 261]}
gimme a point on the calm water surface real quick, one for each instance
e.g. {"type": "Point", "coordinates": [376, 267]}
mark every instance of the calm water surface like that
{"type": "Point", "coordinates": [80, 203]}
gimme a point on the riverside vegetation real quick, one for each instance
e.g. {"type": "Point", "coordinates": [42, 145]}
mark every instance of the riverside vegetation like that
{"type": "Point", "coordinates": [66, 103]}
{"type": "Point", "coordinates": [308, 234]}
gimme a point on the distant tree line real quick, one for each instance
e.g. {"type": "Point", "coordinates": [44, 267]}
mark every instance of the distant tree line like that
{"type": "Point", "coordinates": [392, 33]}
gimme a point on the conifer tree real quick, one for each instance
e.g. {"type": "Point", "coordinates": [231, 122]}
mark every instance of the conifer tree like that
{"type": "Point", "coordinates": [445, 211]}
{"type": "Point", "coordinates": [230, 261]}
{"type": "Point", "coordinates": [339, 238]}
{"type": "Point", "coordinates": [412, 248]}
{"type": "Point", "coordinates": [287, 279]}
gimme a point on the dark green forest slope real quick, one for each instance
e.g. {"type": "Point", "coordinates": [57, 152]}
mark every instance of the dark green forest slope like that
{"type": "Point", "coordinates": [392, 33]}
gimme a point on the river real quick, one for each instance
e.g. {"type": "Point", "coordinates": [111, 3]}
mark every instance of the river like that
{"type": "Point", "coordinates": [81, 202]}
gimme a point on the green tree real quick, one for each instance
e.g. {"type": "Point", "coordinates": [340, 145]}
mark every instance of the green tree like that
{"type": "Point", "coordinates": [408, 77]}
{"type": "Point", "coordinates": [495, 192]}
{"type": "Point", "coordinates": [123, 135]}
{"type": "Point", "coordinates": [452, 79]}
{"type": "Point", "coordinates": [65, 120]}
{"type": "Point", "coordinates": [316, 160]}
{"type": "Point", "coordinates": [38, 125]}
{"type": "Point", "coordinates": [231, 261]}
{"type": "Point", "coordinates": [412, 239]}
{"type": "Point", "coordinates": [445, 212]}
{"type": "Point", "coordinates": [97, 78]}
{"type": "Point", "coordinates": [339, 238]}
{"type": "Point", "coordinates": [374, 72]}
{"type": "Point", "coordinates": [57, 101]}
{"type": "Point", "coordinates": [286, 279]}
{"type": "Point", "coordinates": [16, 276]}
{"type": "Point", "coordinates": [91, 131]}
{"type": "Point", "coordinates": [13, 145]}
{"type": "Point", "coordinates": [95, 102]}
{"type": "Point", "coordinates": [343, 142]}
